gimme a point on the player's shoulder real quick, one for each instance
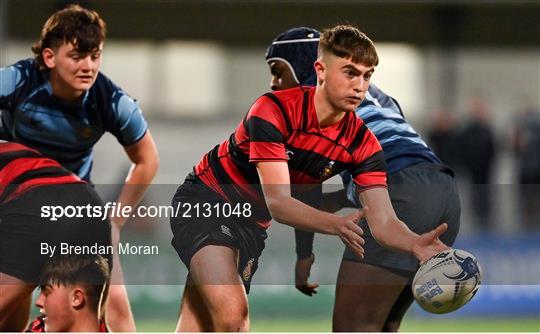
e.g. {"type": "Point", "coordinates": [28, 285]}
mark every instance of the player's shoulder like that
{"type": "Point", "coordinates": [27, 64]}
{"type": "Point", "coordinates": [378, 98]}
{"type": "Point", "coordinates": [23, 71]}
{"type": "Point", "coordinates": [293, 93]}
{"type": "Point", "coordinates": [7, 147]}
{"type": "Point", "coordinates": [282, 99]}
{"type": "Point", "coordinates": [292, 99]}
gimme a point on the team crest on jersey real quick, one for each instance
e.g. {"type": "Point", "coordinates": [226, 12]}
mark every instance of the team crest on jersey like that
{"type": "Point", "coordinates": [289, 154]}
{"type": "Point", "coordinates": [246, 274]}
{"type": "Point", "coordinates": [327, 171]}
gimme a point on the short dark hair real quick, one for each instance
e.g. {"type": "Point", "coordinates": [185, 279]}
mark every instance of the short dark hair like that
{"type": "Point", "coordinates": [346, 41]}
{"type": "Point", "coordinates": [74, 24]}
{"type": "Point", "coordinates": [93, 272]}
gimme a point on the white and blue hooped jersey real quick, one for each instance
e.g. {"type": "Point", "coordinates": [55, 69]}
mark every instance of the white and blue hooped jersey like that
{"type": "Point", "coordinates": [401, 144]}
{"type": "Point", "coordinates": [31, 115]}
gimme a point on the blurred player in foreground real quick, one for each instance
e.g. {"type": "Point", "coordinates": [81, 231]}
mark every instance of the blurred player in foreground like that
{"type": "Point", "coordinates": [303, 135]}
{"type": "Point", "coordinates": [73, 291]}
{"type": "Point", "coordinates": [60, 104]}
{"type": "Point", "coordinates": [372, 293]}
{"type": "Point", "coordinates": [29, 182]}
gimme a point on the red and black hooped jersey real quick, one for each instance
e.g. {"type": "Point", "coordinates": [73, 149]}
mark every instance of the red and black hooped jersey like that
{"type": "Point", "coordinates": [22, 168]}
{"type": "Point", "coordinates": [283, 126]}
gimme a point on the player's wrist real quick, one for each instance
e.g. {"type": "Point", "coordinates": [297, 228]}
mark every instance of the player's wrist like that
{"type": "Point", "coordinates": [417, 250]}
{"type": "Point", "coordinates": [304, 255]}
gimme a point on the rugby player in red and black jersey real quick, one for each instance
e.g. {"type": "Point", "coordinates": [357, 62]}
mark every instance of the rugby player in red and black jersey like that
{"type": "Point", "coordinates": [372, 293]}
{"type": "Point", "coordinates": [296, 136]}
{"type": "Point", "coordinates": [30, 181]}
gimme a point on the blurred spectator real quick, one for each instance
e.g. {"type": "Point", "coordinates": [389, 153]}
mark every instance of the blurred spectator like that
{"type": "Point", "coordinates": [526, 142]}
{"type": "Point", "coordinates": [443, 138]}
{"type": "Point", "coordinates": [477, 151]}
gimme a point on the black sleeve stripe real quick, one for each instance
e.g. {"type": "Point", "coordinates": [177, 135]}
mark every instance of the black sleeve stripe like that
{"type": "Point", "coordinates": [358, 139]}
{"type": "Point", "coordinates": [244, 120]}
{"type": "Point", "coordinates": [375, 163]}
{"type": "Point", "coordinates": [8, 157]}
{"type": "Point", "coordinates": [261, 130]}
{"type": "Point", "coordinates": [282, 109]}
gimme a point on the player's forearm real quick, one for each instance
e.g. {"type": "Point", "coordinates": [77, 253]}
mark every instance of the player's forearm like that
{"type": "Point", "coordinates": [394, 234]}
{"type": "Point", "coordinates": [290, 211]}
{"type": "Point", "coordinates": [304, 243]}
{"type": "Point", "coordinates": [386, 228]}
{"type": "Point", "coordinates": [137, 181]}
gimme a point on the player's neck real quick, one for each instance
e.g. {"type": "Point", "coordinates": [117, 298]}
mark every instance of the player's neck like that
{"type": "Point", "coordinates": [327, 114]}
{"type": "Point", "coordinates": [86, 323]}
{"type": "Point", "coordinates": [63, 91]}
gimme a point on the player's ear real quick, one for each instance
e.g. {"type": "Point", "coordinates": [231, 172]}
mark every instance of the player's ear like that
{"type": "Point", "coordinates": [77, 298]}
{"type": "Point", "coordinates": [320, 69]}
{"type": "Point", "coordinates": [48, 56]}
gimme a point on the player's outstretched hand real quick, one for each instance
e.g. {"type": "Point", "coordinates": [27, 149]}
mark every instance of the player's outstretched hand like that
{"type": "Point", "coordinates": [302, 271]}
{"type": "Point", "coordinates": [350, 233]}
{"type": "Point", "coordinates": [428, 244]}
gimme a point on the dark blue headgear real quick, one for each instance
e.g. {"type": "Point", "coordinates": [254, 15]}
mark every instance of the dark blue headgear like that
{"type": "Point", "coordinates": [297, 47]}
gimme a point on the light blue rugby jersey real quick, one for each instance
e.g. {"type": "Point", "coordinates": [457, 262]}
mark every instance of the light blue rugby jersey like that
{"type": "Point", "coordinates": [31, 115]}
{"type": "Point", "coordinates": [402, 146]}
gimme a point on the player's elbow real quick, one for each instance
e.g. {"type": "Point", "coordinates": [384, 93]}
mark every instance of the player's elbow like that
{"type": "Point", "coordinates": [154, 165]}
{"type": "Point", "coordinates": [149, 167]}
{"type": "Point", "coordinates": [277, 208]}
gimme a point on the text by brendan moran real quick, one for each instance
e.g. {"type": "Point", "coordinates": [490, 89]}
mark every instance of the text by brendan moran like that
{"type": "Point", "coordinates": [123, 249]}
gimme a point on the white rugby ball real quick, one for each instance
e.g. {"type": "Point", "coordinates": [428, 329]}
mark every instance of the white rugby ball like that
{"type": "Point", "coordinates": [447, 281]}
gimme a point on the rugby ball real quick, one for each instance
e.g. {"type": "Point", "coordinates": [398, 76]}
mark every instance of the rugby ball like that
{"type": "Point", "coordinates": [447, 281]}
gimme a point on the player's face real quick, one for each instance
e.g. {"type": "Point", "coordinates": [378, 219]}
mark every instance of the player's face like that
{"type": "Point", "coordinates": [54, 302]}
{"type": "Point", "coordinates": [344, 82]}
{"type": "Point", "coordinates": [282, 76]}
{"type": "Point", "coordinates": [73, 72]}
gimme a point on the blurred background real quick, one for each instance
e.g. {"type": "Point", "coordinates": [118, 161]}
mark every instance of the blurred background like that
{"type": "Point", "coordinates": [466, 73]}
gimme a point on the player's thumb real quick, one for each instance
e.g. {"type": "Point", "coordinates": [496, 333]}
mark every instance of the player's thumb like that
{"type": "Point", "coordinates": [440, 230]}
{"type": "Point", "coordinates": [360, 214]}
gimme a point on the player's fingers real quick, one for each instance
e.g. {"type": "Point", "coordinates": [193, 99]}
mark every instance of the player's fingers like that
{"type": "Point", "coordinates": [305, 289]}
{"type": "Point", "coordinates": [354, 228]}
{"type": "Point", "coordinates": [356, 247]}
{"type": "Point", "coordinates": [357, 239]}
{"type": "Point", "coordinates": [313, 287]}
